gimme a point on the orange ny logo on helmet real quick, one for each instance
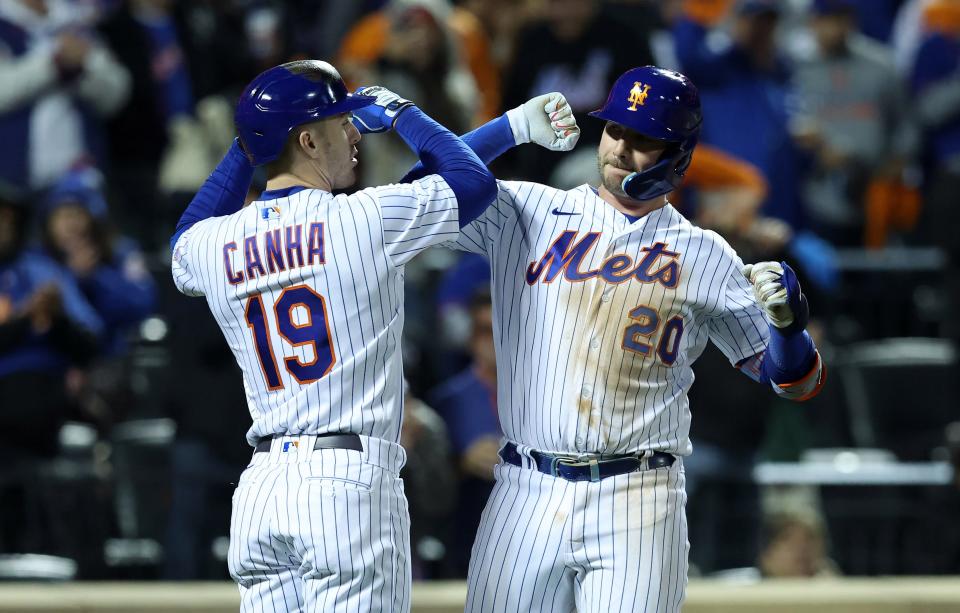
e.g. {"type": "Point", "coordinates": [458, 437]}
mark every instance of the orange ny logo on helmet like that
{"type": "Point", "coordinates": [637, 95]}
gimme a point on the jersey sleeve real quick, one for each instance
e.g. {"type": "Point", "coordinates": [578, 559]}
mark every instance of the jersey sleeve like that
{"type": "Point", "coordinates": [740, 331]}
{"type": "Point", "coordinates": [184, 261]}
{"type": "Point", "coordinates": [482, 234]}
{"type": "Point", "coordinates": [416, 215]}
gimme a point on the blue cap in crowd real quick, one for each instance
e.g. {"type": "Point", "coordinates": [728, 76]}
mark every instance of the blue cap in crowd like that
{"type": "Point", "coordinates": [82, 186]}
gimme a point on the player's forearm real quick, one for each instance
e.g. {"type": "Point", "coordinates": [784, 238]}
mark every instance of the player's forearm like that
{"type": "Point", "coordinates": [791, 366]}
{"type": "Point", "coordinates": [788, 359]}
{"type": "Point", "coordinates": [790, 363]}
{"type": "Point", "coordinates": [446, 155]}
{"type": "Point", "coordinates": [489, 141]}
{"type": "Point", "coordinates": [222, 193]}
{"type": "Point", "coordinates": [791, 376]}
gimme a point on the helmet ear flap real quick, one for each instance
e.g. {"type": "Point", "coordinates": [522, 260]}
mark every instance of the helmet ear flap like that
{"type": "Point", "coordinates": [664, 176]}
{"type": "Point", "coordinates": [684, 163]}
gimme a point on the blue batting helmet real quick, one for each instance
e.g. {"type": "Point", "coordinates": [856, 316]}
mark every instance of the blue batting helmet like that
{"type": "Point", "coordinates": [287, 96]}
{"type": "Point", "coordinates": [660, 104]}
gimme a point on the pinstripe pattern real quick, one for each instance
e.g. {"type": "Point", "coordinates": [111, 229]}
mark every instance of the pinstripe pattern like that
{"type": "Point", "coordinates": [368, 237]}
{"type": "Point", "coordinates": [325, 530]}
{"type": "Point", "coordinates": [618, 545]}
{"type": "Point", "coordinates": [569, 382]}
{"type": "Point", "coordinates": [559, 343]}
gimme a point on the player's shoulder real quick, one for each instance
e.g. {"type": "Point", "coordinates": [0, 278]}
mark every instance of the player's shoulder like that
{"type": "Point", "coordinates": [529, 196]}
{"type": "Point", "coordinates": [430, 187]}
{"type": "Point", "coordinates": [722, 252]}
{"type": "Point", "coordinates": [715, 242]}
{"type": "Point", "coordinates": [202, 228]}
{"type": "Point", "coordinates": [527, 189]}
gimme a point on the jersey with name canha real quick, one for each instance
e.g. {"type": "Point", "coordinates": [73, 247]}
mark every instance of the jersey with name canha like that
{"type": "Point", "coordinates": [598, 318]}
{"type": "Point", "coordinates": [308, 290]}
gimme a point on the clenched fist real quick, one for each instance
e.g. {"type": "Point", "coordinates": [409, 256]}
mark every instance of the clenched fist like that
{"type": "Point", "coordinates": [777, 290]}
{"type": "Point", "coordinates": [546, 120]}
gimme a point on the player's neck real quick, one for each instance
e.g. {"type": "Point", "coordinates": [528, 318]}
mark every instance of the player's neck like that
{"type": "Point", "coordinates": [629, 206]}
{"type": "Point", "coordinates": [292, 178]}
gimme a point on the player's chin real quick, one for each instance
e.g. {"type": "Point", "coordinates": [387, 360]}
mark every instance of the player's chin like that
{"type": "Point", "coordinates": [613, 183]}
{"type": "Point", "coordinates": [347, 179]}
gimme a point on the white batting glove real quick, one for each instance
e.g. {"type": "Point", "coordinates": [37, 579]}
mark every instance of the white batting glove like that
{"type": "Point", "coordinates": [546, 120]}
{"type": "Point", "coordinates": [768, 289]}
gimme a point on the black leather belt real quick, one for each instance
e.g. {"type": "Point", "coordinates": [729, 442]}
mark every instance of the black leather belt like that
{"type": "Point", "coordinates": [334, 440]}
{"type": "Point", "coordinates": [587, 467]}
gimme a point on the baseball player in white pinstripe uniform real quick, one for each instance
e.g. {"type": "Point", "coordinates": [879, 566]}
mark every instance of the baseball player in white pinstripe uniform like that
{"type": "Point", "coordinates": [308, 290]}
{"type": "Point", "coordinates": [603, 298]}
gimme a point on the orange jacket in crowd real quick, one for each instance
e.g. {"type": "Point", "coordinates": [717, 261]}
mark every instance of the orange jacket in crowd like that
{"type": "Point", "coordinates": [365, 43]}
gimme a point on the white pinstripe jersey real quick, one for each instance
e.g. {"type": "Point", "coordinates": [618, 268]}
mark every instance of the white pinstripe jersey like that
{"type": "Point", "coordinates": [308, 290]}
{"type": "Point", "coordinates": [598, 319]}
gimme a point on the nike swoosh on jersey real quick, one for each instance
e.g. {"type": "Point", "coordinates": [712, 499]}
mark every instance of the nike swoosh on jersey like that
{"type": "Point", "coordinates": [557, 211]}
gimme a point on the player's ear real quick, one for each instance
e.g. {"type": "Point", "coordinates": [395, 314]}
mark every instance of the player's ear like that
{"type": "Point", "coordinates": [307, 142]}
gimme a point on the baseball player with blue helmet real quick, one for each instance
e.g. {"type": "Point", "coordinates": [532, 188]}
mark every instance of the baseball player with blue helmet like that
{"type": "Point", "coordinates": [603, 298]}
{"type": "Point", "coordinates": [307, 287]}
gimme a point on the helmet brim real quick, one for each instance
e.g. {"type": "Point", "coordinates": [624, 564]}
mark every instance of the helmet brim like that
{"type": "Point", "coordinates": [351, 103]}
{"type": "Point", "coordinates": [644, 125]}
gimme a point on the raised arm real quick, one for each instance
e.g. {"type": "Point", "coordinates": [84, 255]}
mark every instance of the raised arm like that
{"type": "Point", "coordinates": [437, 148]}
{"type": "Point", "coordinates": [546, 120]}
{"type": "Point", "coordinates": [222, 193]}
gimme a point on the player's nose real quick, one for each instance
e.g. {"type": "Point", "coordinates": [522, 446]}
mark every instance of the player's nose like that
{"type": "Point", "coordinates": [621, 149]}
{"type": "Point", "coordinates": [353, 134]}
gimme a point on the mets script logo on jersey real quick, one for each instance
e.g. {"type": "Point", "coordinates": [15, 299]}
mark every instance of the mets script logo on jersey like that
{"type": "Point", "coordinates": [638, 95]}
{"type": "Point", "coordinates": [658, 265]}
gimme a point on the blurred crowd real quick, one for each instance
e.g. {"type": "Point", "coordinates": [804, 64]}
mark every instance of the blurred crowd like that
{"type": "Point", "coordinates": [831, 139]}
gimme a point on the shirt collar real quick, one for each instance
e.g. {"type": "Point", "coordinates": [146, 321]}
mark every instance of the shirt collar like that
{"type": "Point", "coordinates": [273, 194]}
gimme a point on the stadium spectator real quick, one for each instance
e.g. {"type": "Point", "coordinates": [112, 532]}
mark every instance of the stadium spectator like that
{"type": "Point", "coordinates": [746, 93]}
{"type": "Point", "coordinates": [501, 21]}
{"type": "Point", "coordinates": [795, 546]}
{"type": "Point", "coordinates": [439, 44]}
{"type": "Point", "coordinates": [421, 59]}
{"type": "Point", "coordinates": [210, 450]}
{"type": "Point", "coordinates": [47, 330]}
{"type": "Point", "coordinates": [935, 81]}
{"type": "Point", "coordinates": [456, 289]}
{"type": "Point", "coordinates": [574, 48]}
{"type": "Point", "coordinates": [467, 402]}
{"type": "Point", "coordinates": [860, 134]}
{"type": "Point", "coordinates": [109, 268]}
{"type": "Point", "coordinates": [429, 482]}
{"type": "Point", "coordinates": [47, 327]}
{"type": "Point", "coordinates": [183, 56]}
{"type": "Point", "coordinates": [747, 72]}
{"type": "Point", "coordinates": [56, 84]}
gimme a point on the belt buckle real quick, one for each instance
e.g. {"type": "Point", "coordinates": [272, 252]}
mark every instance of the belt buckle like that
{"type": "Point", "coordinates": [590, 460]}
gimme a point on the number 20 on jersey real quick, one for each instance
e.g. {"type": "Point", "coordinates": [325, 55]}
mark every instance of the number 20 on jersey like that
{"type": "Point", "coordinates": [646, 326]}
